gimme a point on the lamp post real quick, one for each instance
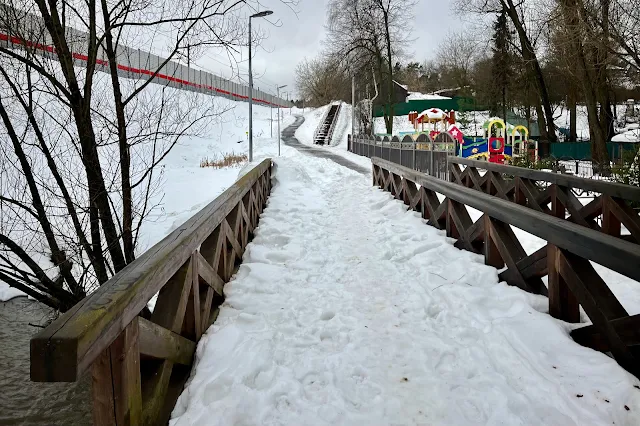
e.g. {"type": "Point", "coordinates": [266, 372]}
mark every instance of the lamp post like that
{"type": "Point", "coordinates": [256, 15]}
{"type": "Point", "coordinates": [279, 87]}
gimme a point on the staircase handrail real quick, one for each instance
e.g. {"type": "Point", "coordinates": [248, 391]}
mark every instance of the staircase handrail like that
{"type": "Point", "coordinates": [333, 125]}
{"type": "Point", "coordinates": [324, 117]}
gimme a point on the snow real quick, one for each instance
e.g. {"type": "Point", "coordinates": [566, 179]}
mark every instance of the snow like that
{"type": "Point", "coordinates": [339, 146]}
{"type": "Point", "coordinates": [630, 136]}
{"type": "Point", "coordinates": [348, 309]}
{"type": "Point", "coordinates": [313, 117]}
{"type": "Point", "coordinates": [432, 114]}
{"type": "Point", "coordinates": [8, 293]}
{"type": "Point", "coordinates": [417, 96]}
{"type": "Point", "coordinates": [181, 168]}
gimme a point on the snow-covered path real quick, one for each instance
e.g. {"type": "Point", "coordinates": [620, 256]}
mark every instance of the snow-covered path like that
{"type": "Point", "coordinates": [349, 310]}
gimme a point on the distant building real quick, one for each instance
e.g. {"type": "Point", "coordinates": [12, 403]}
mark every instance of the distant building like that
{"type": "Point", "coordinates": [400, 93]}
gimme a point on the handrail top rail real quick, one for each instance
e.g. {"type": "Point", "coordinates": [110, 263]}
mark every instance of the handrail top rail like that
{"type": "Point", "coordinates": [614, 189]}
{"type": "Point", "coordinates": [77, 337]}
{"type": "Point", "coordinates": [606, 250]}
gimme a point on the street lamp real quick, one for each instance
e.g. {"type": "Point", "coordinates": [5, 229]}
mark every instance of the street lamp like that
{"type": "Point", "coordinates": [279, 87]}
{"type": "Point", "coordinates": [256, 15]}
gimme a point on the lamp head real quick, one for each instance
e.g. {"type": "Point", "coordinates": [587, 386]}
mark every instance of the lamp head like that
{"type": "Point", "coordinates": [261, 14]}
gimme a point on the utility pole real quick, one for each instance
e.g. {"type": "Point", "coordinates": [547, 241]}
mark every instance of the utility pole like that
{"type": "Point", "coordinates": [256, 15]}
{"type": "Point", "coordinates": [279, 87]}
{"type": "Point", "coordinates": [353, 107]}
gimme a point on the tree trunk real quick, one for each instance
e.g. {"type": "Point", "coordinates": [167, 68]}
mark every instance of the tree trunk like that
{"type": "Point", "coordinates": [573, 111]}
{"type": "Point", "coordinates": [530, 58]}
{"type": "Point", "coordinates": [594, 83]}
{"type": "Point", "coordinates": [123, 144]}
{"type": "Point", "coordinates": [543, 143]}
{"type": "Point", "coordinates": [390, 70]}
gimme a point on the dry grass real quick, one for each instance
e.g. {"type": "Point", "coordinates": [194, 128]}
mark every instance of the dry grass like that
{"type": "Point", "coordinates": [229, 159]}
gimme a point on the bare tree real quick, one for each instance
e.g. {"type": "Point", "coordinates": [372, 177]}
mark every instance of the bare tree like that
{"type": "Point", "coordinates": [455, 58]}
{"type": "Point", "coordinates": [527, 36]}
{"type": "Point", "coordinates": [370, 34]}
{"type": "Point", "coordinates": [84, 141]}
{"type": "Point", "coordinates": [585, 29]}
{"type": "Point", "coordinates": [322, 80]}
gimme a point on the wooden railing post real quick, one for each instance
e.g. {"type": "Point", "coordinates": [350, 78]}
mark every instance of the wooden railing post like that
{"type": "Point", "coordinates": [491, 253]}
{"type": "Point", "coordinates": [117, 396]}
{"type": "Point", "coordinates": [562, 302]}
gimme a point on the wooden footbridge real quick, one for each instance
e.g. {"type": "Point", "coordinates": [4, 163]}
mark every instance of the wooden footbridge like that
{"type": "Point", "coordinates": [139, 362]}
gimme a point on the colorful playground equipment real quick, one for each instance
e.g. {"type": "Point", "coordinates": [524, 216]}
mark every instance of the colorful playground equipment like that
{"type": "Point", "coordinates": [437, 121]}
{"type": "Point", "coordinates": [500, 143]}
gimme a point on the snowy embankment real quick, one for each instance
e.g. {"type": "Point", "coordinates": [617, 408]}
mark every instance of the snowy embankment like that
{"type": "Point", "coordinates": [304, 134]}
{"type": "Point", "coordinates": [184, 187]}
{"type": "Point", "coordinates": [350, 310]}
{"type": "Point", "coordinates": [187, 187]}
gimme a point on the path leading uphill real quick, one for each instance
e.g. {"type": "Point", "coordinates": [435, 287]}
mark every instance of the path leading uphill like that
{"type": "Point", "coordinates": [289, 138]}
{"type": "Point", "coordinates": [349, 310]}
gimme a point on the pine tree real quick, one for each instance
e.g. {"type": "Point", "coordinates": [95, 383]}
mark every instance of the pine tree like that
{"type": "Point", "coordinates": [501, 69]}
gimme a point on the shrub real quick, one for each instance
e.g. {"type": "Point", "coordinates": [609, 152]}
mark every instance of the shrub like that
{"type": "Point", "coordinates": [628, 171]}
{"type": "Point", "coordinates": [229, 159]}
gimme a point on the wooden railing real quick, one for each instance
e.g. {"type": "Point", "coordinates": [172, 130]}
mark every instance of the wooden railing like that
{"type": "Point", "coordinates": [139, 365]}
{"type": "Point", "coordinates": [607, 212]}
{"type": "Point", "coordinates": [572, 280]}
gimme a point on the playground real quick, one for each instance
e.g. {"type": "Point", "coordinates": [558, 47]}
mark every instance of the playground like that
{"type": "Point", "coordinates": [500, 142]}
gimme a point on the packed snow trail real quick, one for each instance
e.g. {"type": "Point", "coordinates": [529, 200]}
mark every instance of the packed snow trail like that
{"type": "Point", "coordinates": [350, 310]}
{"type": "Point", "coordinates": [288, 135]}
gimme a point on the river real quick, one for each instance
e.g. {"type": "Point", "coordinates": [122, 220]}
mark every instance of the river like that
{"type": "Point", "coordinates": [23, 402]}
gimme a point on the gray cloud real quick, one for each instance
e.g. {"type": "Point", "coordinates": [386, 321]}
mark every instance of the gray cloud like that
{"type": "Point", "coordinates": [301, 35]}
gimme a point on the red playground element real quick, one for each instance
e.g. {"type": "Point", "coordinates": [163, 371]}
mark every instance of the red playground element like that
{"type": "Point", "coordinates": [496, 150]}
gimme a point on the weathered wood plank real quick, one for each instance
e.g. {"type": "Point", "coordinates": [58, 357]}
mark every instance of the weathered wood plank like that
{"type": "Point", "coordinates": [628, 328]}
{"type": "Point", "coordinates": [116, 389]}
{"type": "Point", "coordinates": [562, 302]}
{"type": "Point", "coordinates": [206, 300]}
{"type": "Point", "coordinates": [610, 223]}
{"type": "Point", "coordinates": [627, 216]}
{"type": "Point", "coordinates": [534, 265]}
{"type": "Point", "coordinates": [599, 303]}
{"type": "Point", "coordinates": [154, 392]}
{"type": "Point", "coordinates": [511, 252]}
{"type": "Point", "coordinates": [492, 255]}
{"type": "Point", "coordinates": [192, 323]}
{"type": "Point", "coordinates": [173, 298]}
{"type": "Point", "coordinates": [210, 276]}
{"type": "Point", "coordinates": [158, 342]}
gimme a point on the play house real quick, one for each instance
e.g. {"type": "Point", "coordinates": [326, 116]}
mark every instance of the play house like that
{"type": "Point", "coordinates": [436, 120]}
{"type": "Point", "coordinates": [500, 143]}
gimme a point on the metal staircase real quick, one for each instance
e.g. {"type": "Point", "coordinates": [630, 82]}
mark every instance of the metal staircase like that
{"type": "Point", "coordinates": [324, 132]}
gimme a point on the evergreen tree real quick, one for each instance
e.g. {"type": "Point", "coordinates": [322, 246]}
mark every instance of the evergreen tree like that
{"type": "Point", "coordinates": [502, 62]}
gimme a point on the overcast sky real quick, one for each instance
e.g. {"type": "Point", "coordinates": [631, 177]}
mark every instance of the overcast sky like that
{"type": "Point", "coordinates": [300, 35]}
